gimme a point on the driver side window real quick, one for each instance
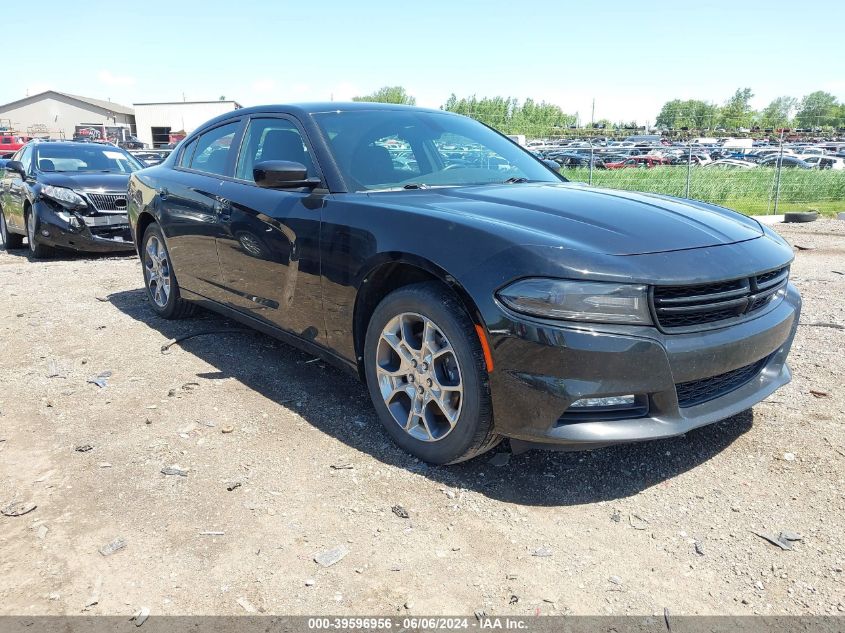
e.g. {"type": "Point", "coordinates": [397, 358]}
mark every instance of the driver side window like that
{"type": "Point", "coordinates": [272, 139]}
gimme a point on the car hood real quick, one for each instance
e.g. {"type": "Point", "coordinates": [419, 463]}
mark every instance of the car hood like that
{"type": "Point", "coordinates": [585, 218]}
{"type": "Point", "coordinates": [86, 182]}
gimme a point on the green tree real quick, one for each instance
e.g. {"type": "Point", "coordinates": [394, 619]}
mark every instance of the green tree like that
{"type": "Point", "coordinates": [778, 114]}
{"type": "Point", "coordinates": [532, 118]}
{"type": "Point", "coordinates": [817, 109]}
{"type": "Point", "coordinates": [737, 111]}
{"type": "Point", "coordinates": [389, 94]}
{"type": "Point", "coordinates": [692, 113]}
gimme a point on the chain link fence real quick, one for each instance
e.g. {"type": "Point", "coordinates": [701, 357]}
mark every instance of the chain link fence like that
{"type": "Point", "coordinates": [766, 174]}
{"type": "Point", "coordinates": [762, 180]}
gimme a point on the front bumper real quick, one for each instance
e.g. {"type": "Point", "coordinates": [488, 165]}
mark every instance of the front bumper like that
{"type": "Point", "coordinates": [541, 368]}
{"type": "Point", "coordinates": [104, 233]}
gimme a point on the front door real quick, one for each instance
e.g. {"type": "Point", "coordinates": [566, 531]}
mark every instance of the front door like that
{"type": "Point", "coordinates": [14, 191]}
{"type": "Point", "coordinates": [270, 240]}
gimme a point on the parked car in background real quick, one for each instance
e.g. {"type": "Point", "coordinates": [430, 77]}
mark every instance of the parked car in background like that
{"type": "Point", "coordinates": [9, 144]}
{"type": "Point", "coordinates": [639, 162]}
{"type": "Point", "coordinates": [792, 162]}
{"type": "Point", "coordinates": [731, 163]}
{"type": "Point", "coordinates": [477, 301]}
{"type": "Point", "coordinates": [132, 142]}
{"type": "Point", "coordinates": [825, 162]}
{"type": "Point", "coordinates": [66, 195]}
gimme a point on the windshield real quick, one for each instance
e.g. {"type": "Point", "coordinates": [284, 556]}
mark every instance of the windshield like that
{"type": "Point", "coordinates": [392, 149]}
{"type": "Point", "coordinates": [55, 157]}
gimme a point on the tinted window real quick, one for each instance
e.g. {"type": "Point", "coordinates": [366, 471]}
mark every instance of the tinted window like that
{"type": "Point", "coordinates": [60, 157]}
{"type": "Point", "coordinates": [272, 139]}
{"type": "Point", "coordinates": [187, 153]}
{"type": "Point", "coordinates": [212, 151]}
{"type": "Point", "coordinates": [26, 158]}
{"type": "Point", "coordinates": [386, 149]}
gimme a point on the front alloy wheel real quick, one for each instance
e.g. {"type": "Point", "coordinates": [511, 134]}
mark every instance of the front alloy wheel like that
{"type": "Point", "coordinates": [419, 377]}
{"type": "Point", "coordinates": [427, 376]}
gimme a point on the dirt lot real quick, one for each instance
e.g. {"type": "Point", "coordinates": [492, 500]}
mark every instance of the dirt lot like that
{"type": "Point", "coordinates": [621, 530]}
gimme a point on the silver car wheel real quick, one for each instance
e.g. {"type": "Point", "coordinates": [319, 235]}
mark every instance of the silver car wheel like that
{"type": "Point", "coordinates": [419, 377]}
{"type": "Point", "coordinates": [157, 271]}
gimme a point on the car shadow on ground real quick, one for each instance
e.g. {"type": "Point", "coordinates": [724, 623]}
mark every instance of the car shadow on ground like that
{"type": "Point", "coordinates": [337, 404]}
{"type": "Point", "coordinates": [61, 255]}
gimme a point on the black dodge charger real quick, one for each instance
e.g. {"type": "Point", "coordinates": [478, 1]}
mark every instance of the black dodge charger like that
{"type": "Point", "coordinates": [66, 195]}
{"type": "Point", "coordinates": [475, 292]}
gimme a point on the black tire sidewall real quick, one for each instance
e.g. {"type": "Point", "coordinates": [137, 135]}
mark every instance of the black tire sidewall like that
{"type": "Point", "coordinates": [170, 307]}
{"type": "Point", "coordinates": [438, 305]}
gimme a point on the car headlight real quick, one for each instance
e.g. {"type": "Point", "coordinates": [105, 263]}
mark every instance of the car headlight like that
{"type": "Point", "coordinates": [593, 301]}
{"type": "Point", "coordinates": [64, 196]}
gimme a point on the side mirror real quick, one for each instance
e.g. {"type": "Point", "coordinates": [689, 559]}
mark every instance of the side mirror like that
{"type": "Point", "coordinates": [282, 174]}
{"type": "Point", "coordinates": [553, 165]}
{"type": "Point", "coordinates": [16, 166]}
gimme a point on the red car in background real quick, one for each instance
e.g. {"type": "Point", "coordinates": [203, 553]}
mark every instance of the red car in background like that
{"type": "Point", "coordinates": [638, 161]}
{"type": "Point", "coordinates": [9, 144]}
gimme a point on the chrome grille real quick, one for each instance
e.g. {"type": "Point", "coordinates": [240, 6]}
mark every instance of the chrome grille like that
{"type": "Point", "coordinates": [108, 201]}
{"type": "Point", "coordinates": [685, 308]}
{"type": "Point", "coordinates": [697, 392]}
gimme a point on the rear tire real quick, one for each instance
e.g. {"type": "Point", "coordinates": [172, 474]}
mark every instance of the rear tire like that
{"type": "Point", "coordinates": [427, 376]}
{"type": "Point", "coordinates": [160, 279]}
{"type": "Point", "coordinates": [36, 250]}
{"type": "Point", "coordinates": [10, 240]}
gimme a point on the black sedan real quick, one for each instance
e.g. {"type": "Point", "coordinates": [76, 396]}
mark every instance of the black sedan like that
{"type": "Point", "coordinates": [476, 301]}
{"type": "Point", "coordinates": [67, 195]}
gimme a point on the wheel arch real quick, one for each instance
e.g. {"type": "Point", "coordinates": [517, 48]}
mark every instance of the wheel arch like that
{"type": "Point", "coordinates": [389, 272]}
{"type": "Point", "coordinates": [145, 218]}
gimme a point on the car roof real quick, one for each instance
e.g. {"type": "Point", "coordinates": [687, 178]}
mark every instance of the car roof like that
{"type": "Point", "coordinates": [306, 109]}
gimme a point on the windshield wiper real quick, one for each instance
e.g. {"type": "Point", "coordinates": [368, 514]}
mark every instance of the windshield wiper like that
{"type": "Point", "coordinates": [515, 180]}
{"type": "Point", "coordinates": [415, 185]}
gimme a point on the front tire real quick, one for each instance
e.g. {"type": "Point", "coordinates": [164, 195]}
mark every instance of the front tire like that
{"type": "Point", "coordinates": [10, 240]}
{"type": "Point", "coordinates": [427, 377]}
{"type": "Point", "coordinates": [159, 277]}
{"type": "Point", "coordinates": [36, 250]}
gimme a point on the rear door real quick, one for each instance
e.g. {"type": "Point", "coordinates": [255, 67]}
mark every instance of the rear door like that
{"type": "Point", "coordinates": [270, 238]}
{"type": "Point", "coordinates": [190, 207]}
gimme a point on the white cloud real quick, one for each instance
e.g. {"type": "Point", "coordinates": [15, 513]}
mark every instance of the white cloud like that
{"type": "Point", "coordinates": [110, 79]}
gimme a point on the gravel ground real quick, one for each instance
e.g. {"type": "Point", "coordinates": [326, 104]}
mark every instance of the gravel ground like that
{"type": "Point", "coordinates": [625, 530]}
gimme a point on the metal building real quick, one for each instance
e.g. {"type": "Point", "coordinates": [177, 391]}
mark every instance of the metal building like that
{"type": "Point", "coordinates": [60, 115]}
{"type": "Point", "coordinates": [158, 124]}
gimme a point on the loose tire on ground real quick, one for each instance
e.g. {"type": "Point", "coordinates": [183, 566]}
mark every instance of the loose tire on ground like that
{"type": "Point", "coordinates": [160, 279]}
{"type": "Point", "coordinates": [800, 216]}
{"type": "Point", "coordinates": [431, 307]}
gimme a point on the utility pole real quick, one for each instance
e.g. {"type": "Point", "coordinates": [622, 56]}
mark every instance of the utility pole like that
{"type": "Point", "coordinates": [593, 113]}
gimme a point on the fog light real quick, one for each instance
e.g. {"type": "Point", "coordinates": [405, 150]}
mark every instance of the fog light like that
{"type": "Point", "coordinates": [45, 232]}
{"type": "Point", "coordinates": [614, 401]}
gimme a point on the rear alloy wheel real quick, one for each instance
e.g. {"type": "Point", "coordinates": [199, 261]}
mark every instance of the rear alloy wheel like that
{"type": "Point", "coordinates": [159, 279]}
{"type": "Point", "coordinates": [9, 240]}
{"type": "Point", "coordinates": [36, 250]}
{"type": "Point", "coordinates": [427, 376]}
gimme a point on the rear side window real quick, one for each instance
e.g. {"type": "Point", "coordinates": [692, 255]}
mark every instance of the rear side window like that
{"type": "Point", "coordinates": [213, 149]}
{"type": "Point", "coordinates": [188, 153]}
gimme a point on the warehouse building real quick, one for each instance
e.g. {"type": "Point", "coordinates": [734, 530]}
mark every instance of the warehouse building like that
{"type": "Point", "coordinates": [158, 124]}
{"type": "Point", "coordinates": [61, 115]}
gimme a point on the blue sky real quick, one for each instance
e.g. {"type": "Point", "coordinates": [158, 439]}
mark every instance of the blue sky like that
{"type": "Point", "coordinates": [630, 56]}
